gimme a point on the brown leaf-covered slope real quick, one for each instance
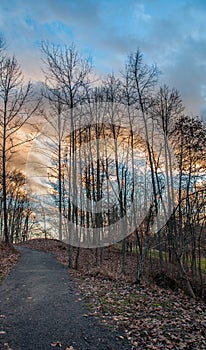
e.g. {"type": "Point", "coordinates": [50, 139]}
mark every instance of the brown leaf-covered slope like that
{"type": "Point", "coordinates": [8, 258]}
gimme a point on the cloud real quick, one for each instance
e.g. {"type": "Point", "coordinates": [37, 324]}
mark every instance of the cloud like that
{"type": "Point", "coordinates": [170, 34]}
{"type": "Point", "coordinates": [141, 14]}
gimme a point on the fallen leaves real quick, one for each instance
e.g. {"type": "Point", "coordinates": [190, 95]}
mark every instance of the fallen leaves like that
{"type": "Point", "coordinates": [57, 344]}
{"type": "Point", "coordinates": [8, 258]}
{"type": "Point", "coordinates": [6, 346]}
{"type": "Point", "coordinates": [2, 333]}
{"type": "Point", "coordinates": [150, 317]}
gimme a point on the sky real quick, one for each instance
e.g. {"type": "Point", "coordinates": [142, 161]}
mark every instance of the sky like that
{"type": "Point", "coordinates": [171, 34]}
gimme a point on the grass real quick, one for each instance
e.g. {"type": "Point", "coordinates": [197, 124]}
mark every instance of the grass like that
{"type": "Point", "coordinates": [202, 264]}
{"type": "Point", "coordinates": [154, 253]}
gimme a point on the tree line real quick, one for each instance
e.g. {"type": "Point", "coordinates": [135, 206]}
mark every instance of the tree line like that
{"type": "Point", "coordinates": [125, 158]}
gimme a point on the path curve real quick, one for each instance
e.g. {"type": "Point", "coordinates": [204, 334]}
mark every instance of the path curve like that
{"type": "Point", "coordinates": [39, 305]}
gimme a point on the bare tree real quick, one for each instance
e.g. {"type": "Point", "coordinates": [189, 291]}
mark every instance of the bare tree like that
{"type": "Point", "coordinates": [17, 105]}
{"type": "Point", "coordinates": [141, 80]}
{"type": "Point", "coordinates": [68, 79]}
{"type": "Point", "coordinates": [166, 109]}
{"type": "Point", "coordinates": [189, 138]}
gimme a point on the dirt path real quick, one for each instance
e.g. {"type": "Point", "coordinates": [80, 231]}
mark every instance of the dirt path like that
{"type": "Point", "coordinates": [39, 305]}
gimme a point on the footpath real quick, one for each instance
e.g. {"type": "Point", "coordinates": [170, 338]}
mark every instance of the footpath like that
{"type": "Point", "coordinates": [41, 310]}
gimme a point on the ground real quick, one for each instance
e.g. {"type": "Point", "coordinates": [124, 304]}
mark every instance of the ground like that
{"type": "Point", "coordinates": [41, 309]}
{"type": "Point", "coordinates": [149, 317]}
{"type": "Point", "coordinates": [8, 258]}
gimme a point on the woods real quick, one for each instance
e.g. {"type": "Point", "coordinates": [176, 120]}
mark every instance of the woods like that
{"type": "Point", "coordinates": [17, 107]}
{"type": "Point", "coordinates": [122, 165]}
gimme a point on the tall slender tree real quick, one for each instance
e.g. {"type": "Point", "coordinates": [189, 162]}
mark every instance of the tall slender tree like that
{"type": "Point", "coordinates": [17, 105]}
{"type": "Point", "coordinates": [67, 76]}
{"type": "Point", "coordinates": [141, 83]}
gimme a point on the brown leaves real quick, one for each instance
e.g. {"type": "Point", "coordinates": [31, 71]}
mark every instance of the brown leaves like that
{"type": "Point", "coordinates": [57, 344]}
{"type": "Point", "coordinates": [6, 347]}
{"type": "Point", "coordinates": [8, 258]}
{"type": "Point", "coordinates": [151, 318]}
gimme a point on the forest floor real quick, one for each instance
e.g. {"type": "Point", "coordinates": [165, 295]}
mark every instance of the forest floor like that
{"type": "Point", "coordinates": [8, 258]}
{"type": "Point", "coordinates": [148, 316]}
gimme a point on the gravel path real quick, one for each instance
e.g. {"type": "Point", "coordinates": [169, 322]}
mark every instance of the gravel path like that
{"type": "Point", "coordinates": [39, 305]}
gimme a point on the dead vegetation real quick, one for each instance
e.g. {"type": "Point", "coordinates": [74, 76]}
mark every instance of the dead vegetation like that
{"type": "Point", "coordinates": [8, 258]}
{"type": "Point", "coordinates": [151, 317]}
